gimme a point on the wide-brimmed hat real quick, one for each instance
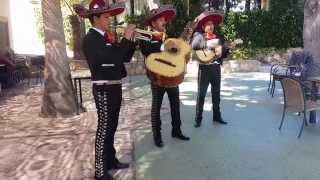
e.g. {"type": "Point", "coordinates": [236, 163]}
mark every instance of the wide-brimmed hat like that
{"type": "Point", "coordinates": [215, 16]}
{"type": "Point", "coordinates": [98, 7]}
{"type": "Point", "coordinates": [166, 11]}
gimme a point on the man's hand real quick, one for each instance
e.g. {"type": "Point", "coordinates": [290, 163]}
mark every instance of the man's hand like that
{"type": "Point", "coordinates": [218, 51]}
{"type": "Point", "coordinates": [129, 31]}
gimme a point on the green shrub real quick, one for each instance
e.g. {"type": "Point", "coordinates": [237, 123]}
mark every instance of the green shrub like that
{"type": "Point", "coordinates": [135, 19]}
{"type": "Point", "coordinates": [175, 28]}
{"type": "Point", "coordinates": [264, 28]}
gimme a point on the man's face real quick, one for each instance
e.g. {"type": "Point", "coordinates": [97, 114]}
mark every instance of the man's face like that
{"type": "Point", "coordinates": [103, 21]}
{"type": "Point", "coordinates": [208, 27]}
{"type": "Point", "coordinates": [159, 24]}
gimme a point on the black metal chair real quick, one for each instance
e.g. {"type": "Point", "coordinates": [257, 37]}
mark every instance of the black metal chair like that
{"type": "Point", "coordinates": [280, 71]}
{"type": "Point", "coordinates": [9, 77]}
{"type": "Point", "coordinates": [37, 70]}
{"type": "Point", "coordinates": [11, 70]}
{"type": "Point", "coordinates": [295, 101]}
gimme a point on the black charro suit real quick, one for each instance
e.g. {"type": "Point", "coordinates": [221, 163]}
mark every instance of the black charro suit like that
{"type": "Point", "coordinates": [99, 52]}
{"type": "Point", "coordinates": [208, 74]}
{"type": "Point", "coordinates": [147, 48]}
{"type": "Point", "coordinates": [105, 61]}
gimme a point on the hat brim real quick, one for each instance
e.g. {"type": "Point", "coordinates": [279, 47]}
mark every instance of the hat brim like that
{"type": "Point", "coordinates": [216, 18]}
{"type": "Point", "coordinates": [113, 10]}
{"type": "Point", "coordinates": [168, 14]}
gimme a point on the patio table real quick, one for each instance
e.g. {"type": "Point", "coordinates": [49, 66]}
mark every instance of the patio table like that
{"type": "Point", "coordinates": [77, 76]}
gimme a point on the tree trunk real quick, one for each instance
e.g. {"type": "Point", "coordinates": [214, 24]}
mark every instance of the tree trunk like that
{"type": "Point", "coordinates": [311, 33]}
{"type": "Point", "coordinates": [247, 5]}
{"type": "Point", "coordinates": [228, 5]}
{"type": "Point", "coordinates": [195, 8]}
{"type": "Point", "coordinates": [78, 32]}
{"type": "Point", "coordinates": [58, 96]}
{"type": "Point", "coordinates": [188, 8]}
{"type": "Point", "coordinates": [214, 4]}
{"type": "Point", "coordinates": [131, 7]}
{"type": "Point", "coordinates": [265, 4]}
{"type": "Point", "coordinates": [115, 22]}
{"type": "Point", "coordinates": [258, 4]}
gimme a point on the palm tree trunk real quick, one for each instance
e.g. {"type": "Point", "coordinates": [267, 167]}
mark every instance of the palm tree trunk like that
{"type": "Point", "coordinates": [228, 5]}
{"type": "Point", "coordinates": [247, 5]}
{"type": "Point", "coordinates": [216, 4]}
{"type": "Point", "coordinates": [311, 33]}
{"type": "Point", "coordinates": [265, 4]}
{"type": "Point", "coordinates": [131, 7]}
{"type": "Point", "coordinates": [58, 96]}
{"type": "Point", "coordinates": [115, 22]}
{"type": "Point", "coordinates": [78, 32]}
{"type": "Point", "coordinates": [258, 4]}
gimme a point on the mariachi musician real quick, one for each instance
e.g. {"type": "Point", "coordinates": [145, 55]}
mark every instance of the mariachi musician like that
{"type": "Point", "coordinates": [105, 58]}
{"type": "Point", "coordinates": [209, 73]}
{"type": "Point", "coordinates": [157, 20]}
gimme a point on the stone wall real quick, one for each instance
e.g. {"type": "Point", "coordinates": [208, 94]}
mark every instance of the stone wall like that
{"type": "Point", "coordinates": [277, 57]}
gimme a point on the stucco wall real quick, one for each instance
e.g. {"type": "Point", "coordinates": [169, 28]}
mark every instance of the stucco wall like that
{"type": "Point", "coordinates": [4, 16]}
{"type": "Point", "coordinates": [4, 8]}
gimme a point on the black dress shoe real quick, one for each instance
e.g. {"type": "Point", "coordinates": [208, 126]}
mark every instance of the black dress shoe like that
{"type": "Point", "coordinates": [158, 143]}
{"type": "Point", "coordinates": [217, 117]}
{"type": "Point", "coordinates": [106, 176]}
{"type": "Point", "coordinates": [197, 124]}
{"type": "Point", "coordinates": [157, 139]}
{"type": "Point", "coordinates": [118, 165]}
{"type": "Point", "coordinates": [179, 135]}
{"type": "Point", "coordinates": [220, 121]}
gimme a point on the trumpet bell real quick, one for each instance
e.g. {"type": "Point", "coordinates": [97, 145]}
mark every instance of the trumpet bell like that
{"type": "Point", "coordinates": [143, 34]}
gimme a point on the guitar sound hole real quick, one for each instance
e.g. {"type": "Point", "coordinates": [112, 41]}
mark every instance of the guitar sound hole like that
{"type": "Point", "coordinates": [165, 62]}
{"type": "Point", "coordinates": [173, 50]}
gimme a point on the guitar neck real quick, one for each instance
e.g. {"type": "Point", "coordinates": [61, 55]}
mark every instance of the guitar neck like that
{"type": "Point", "coordinates": [185, 36]}
{"type": "Point", "coordinates": [187, 31]}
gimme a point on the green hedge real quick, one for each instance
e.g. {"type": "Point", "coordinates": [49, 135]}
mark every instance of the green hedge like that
{"type": "Point", "coordinates": [176, 27]}
{"type": "Point", "coordinates": [282, 27]}
{"type": "Point", "coordinates": [260, 29]}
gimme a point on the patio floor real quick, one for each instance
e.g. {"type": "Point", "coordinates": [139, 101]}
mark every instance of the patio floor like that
{"type": "Point", "coordinates": [249, 147]}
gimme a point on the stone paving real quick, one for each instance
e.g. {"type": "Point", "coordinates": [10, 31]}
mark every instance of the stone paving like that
{"type": "Point", "coordinates": [35, 148]}
{"type": "Point", "coordinates": [249, 147]}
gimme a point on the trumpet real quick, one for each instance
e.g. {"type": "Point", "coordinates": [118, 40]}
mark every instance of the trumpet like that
{"type": "Point", "coordinates": [143, 34]}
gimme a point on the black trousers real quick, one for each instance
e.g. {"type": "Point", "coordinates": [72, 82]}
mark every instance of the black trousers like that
{"type": "Point", "coordinates": [108, 101]}
{"type": "Point", "coordinates": [208, 74]}
{"type": "Point", "coordinates": [157, 97]}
